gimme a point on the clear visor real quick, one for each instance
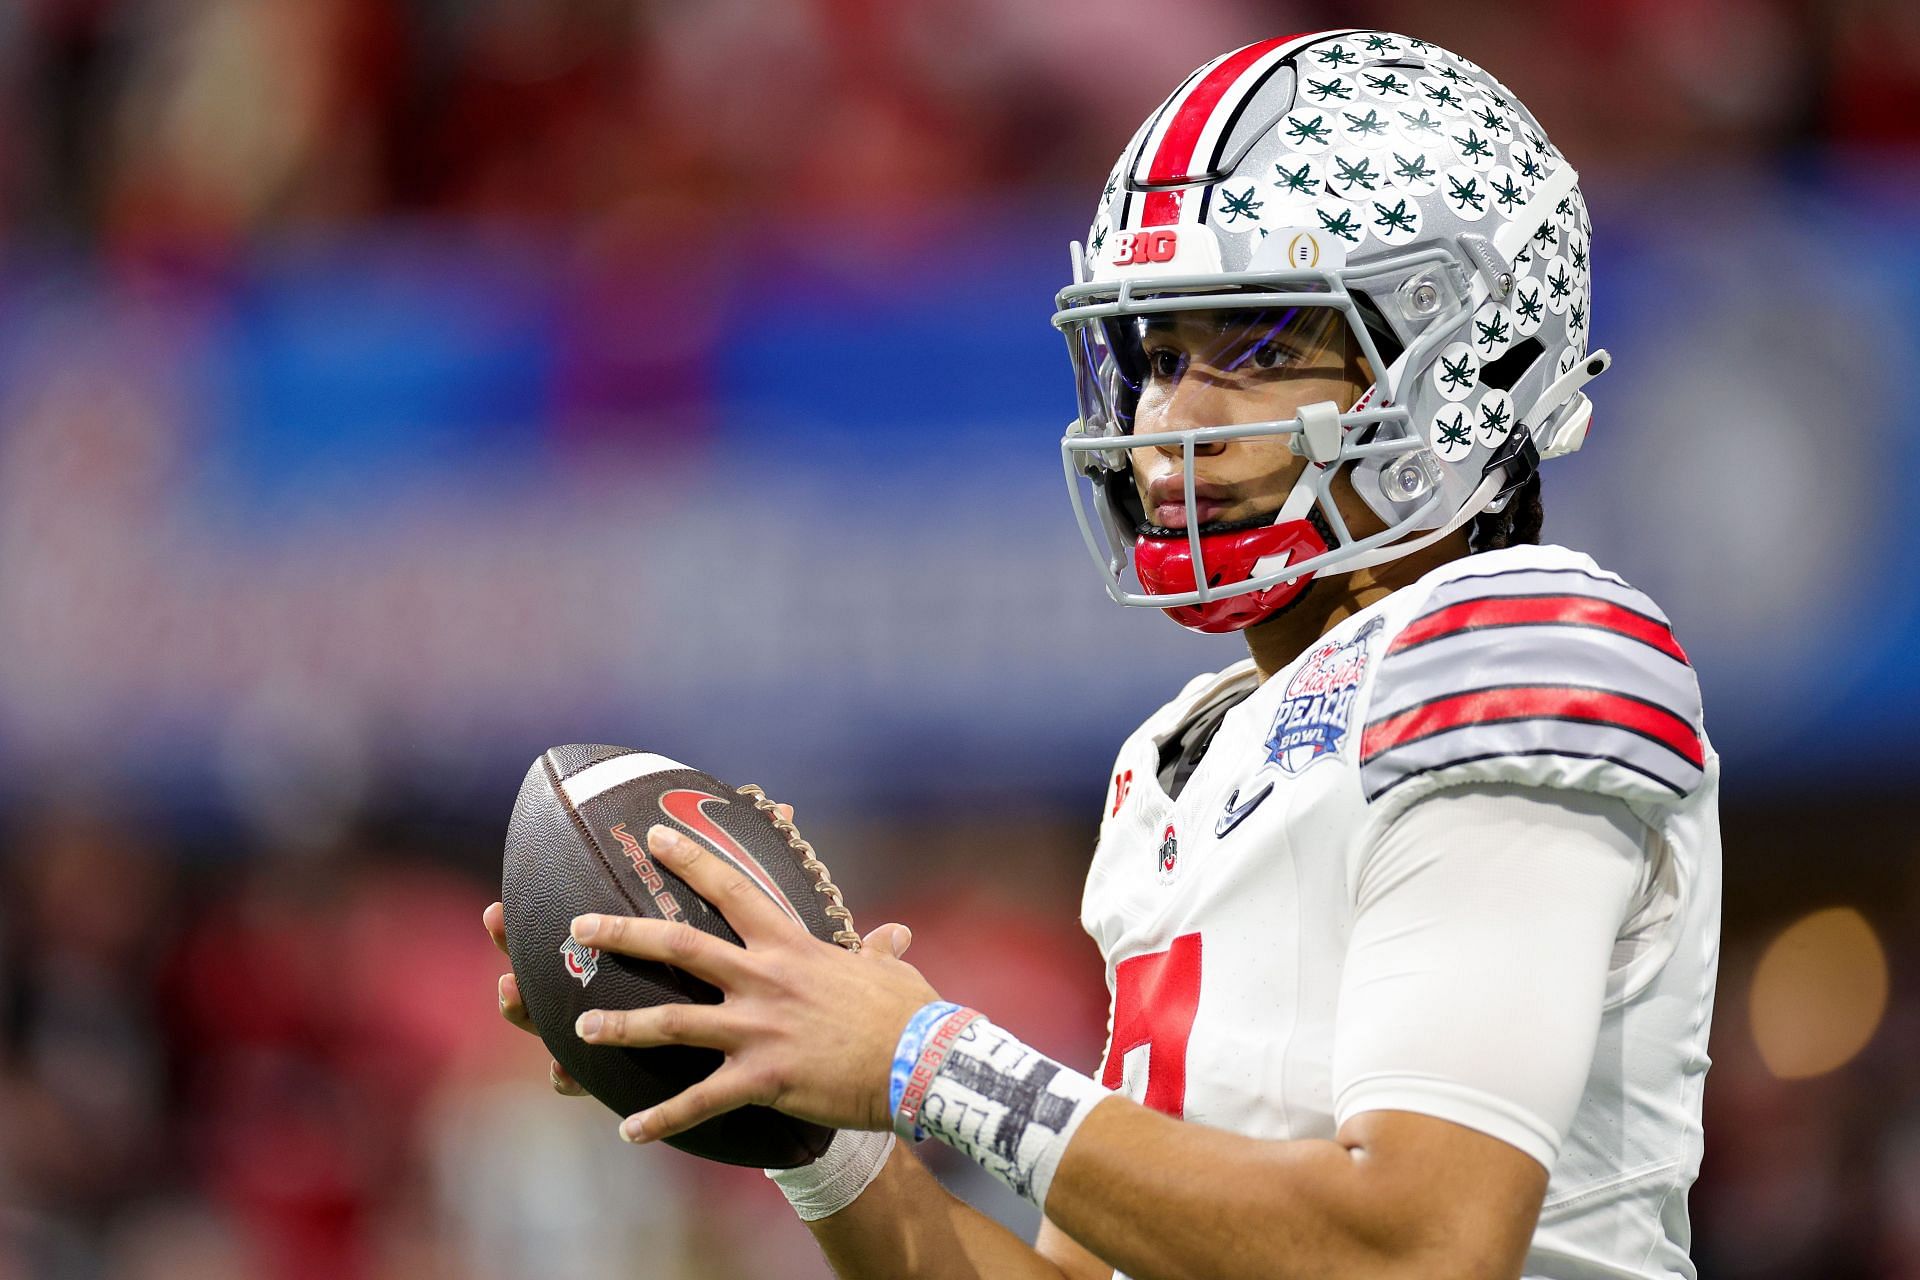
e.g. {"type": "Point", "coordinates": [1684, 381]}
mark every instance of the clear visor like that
{"type": "Point", "coordinates": [1199, 412]}
{"type": "Point", "coordinates": [1234, 374]}
{"type": "Point", "coordinates": [1177, 370]}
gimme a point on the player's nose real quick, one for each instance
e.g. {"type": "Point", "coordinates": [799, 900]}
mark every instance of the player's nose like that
{"type": "Point", "coordinates": [1195, 402]}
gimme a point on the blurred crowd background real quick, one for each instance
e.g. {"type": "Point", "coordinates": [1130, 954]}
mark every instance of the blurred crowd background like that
{"type": "Point", "coordinates": [390, 389]}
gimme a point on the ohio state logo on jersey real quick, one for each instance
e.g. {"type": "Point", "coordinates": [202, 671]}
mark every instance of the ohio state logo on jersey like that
{"type": "Point", "coordinates": [1316, 711]}
{"type": "Point", "coordinates": [1169, 854]}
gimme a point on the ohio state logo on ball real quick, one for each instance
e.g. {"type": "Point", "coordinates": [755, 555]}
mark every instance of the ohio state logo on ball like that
{"type": "Point", "coordinates": [581, 961]}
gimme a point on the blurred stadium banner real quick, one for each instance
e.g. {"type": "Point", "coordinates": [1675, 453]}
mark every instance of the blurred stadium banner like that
{"type": "Point", "coordinates": [796, 510]}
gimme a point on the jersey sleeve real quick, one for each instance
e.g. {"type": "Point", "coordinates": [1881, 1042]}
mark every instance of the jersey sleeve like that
{"type": "Point", "coordinates": [1536, 676]}
{"type": "Point", "coordinates": [1494, 909]}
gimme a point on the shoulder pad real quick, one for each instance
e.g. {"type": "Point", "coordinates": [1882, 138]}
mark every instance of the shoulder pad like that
{"type": "Point", "coordinates": [1542, 675]}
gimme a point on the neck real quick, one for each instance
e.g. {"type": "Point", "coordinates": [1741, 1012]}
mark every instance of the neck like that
{"type": "Point", "coordinates": [1331, 601]}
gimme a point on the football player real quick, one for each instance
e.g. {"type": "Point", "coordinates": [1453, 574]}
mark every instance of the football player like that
{"type": "Point", "coordinates": [1410, 920]}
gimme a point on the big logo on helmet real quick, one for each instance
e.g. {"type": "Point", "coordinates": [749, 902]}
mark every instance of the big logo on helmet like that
{"type": "Point", "coordinates": [1138, 248]}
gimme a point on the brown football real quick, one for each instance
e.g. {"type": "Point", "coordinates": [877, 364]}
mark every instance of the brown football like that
{"type": "Point", "coordinates": [577, 843]}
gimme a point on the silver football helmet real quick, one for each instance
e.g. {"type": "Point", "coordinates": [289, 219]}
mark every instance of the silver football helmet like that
{"type": "Point", "coordinates": [1389, 180]}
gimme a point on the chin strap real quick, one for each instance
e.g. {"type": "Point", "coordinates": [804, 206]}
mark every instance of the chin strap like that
{"type": "Point", "coordinates": [1489, 489]}
{"type": "Point", "coordinates": [1296, 507]}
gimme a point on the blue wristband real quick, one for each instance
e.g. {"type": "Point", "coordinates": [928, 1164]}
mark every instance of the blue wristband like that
{"type": "Point", "coordinates": [907, 1052]}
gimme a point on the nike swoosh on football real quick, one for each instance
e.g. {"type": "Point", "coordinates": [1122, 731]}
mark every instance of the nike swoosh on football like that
{"type": "Point", "coordinates": [1236, 813]}
{"type": "Point", "coordinates": [686, 808]}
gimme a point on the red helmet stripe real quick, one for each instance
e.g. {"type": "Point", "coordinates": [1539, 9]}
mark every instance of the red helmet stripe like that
{"type": "Point", "coordinates": [1173, 159]}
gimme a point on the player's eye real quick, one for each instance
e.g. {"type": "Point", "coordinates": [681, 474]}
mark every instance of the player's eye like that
{"type": "Point", "coordinates": [1164, 363]}
{"type": "Point", "coordinates": [1271, 355]}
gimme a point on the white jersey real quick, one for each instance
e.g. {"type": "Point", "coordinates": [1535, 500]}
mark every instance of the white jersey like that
{"type": "Point", "coordinates": [1224, 915]}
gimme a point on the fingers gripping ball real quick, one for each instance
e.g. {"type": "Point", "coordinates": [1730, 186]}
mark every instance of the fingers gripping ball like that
{"type": "Point", "coordinates": [577, 844]}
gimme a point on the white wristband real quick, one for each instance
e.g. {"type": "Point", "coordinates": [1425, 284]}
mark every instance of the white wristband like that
{"type": "Point", "coordinates": [1007, 1107]}
{"type": "Point", "coordinates": [837, 1176]}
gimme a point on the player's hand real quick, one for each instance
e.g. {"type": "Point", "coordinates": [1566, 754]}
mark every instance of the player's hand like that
{"type": "Point", "coordinates": [511, 1007]}
{"type": "Point", "coordinates": [807, 1027]}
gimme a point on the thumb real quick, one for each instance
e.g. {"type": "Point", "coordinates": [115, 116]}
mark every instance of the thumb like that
{"type": "Point", "coordinates": [890, 939]}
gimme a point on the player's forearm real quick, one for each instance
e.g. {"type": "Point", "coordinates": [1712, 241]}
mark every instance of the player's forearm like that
{"type": "Point", "coordinates": [907, 1225]}
{"type": "Point", "coordinates": [1164, 1200]}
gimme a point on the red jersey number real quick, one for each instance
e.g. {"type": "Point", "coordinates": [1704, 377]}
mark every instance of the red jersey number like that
{"type": "Point", "coordinates": [1155, 998]}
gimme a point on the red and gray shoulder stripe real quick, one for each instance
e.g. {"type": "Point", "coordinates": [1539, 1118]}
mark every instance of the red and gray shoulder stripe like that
{"type": "Point", "coordinates": [1531, 663]}
{"type": "Point", "coordinates": [1182, 142]}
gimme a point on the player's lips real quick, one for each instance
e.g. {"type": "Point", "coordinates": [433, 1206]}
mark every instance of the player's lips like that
{"type": "Point", "coordinates": [1167, 499]}
{"type": "Point", "coordinates": [1173, 515]}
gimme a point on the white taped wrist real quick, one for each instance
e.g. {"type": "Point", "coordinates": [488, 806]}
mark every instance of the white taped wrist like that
{"type": "Point", "coordinates": [1004, 1105]}
{"type": "Point", "coordinates": [837, 1176]}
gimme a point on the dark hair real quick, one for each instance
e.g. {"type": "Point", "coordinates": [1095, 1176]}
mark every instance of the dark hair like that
{"type": "Point", "coordinates": [1515, 525]}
